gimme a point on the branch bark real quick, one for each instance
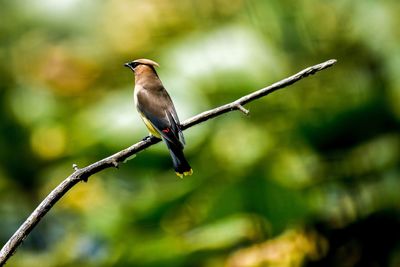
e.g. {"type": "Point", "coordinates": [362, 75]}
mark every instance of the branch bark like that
{"type": "Point", "coordinates": [82, 174]}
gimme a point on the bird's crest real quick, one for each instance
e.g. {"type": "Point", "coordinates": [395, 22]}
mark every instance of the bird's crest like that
{"type": "Point", "coordinates": [145, 61]}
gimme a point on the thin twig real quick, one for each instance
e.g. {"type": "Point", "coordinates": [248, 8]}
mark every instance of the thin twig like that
{"type": "Point", "coordinates": [242, 109]}
{"type": "Point", "coordinates": [82, 174]}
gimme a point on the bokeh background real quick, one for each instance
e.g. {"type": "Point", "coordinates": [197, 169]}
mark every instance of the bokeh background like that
{"type": "Point", "coordinates": [310, 178]}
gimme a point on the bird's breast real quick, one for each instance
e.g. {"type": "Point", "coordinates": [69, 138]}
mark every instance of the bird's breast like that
{"type": "Point", "coordinates": [135, 95]}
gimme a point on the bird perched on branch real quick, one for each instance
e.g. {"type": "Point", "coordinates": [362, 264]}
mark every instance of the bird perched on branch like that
{"type": "Point", "coordinates": [158, 113]}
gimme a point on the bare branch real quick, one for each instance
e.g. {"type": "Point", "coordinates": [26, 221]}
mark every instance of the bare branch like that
{"type": "Point", "coordinates": [242, 109]}
{"type": "Point", "coordinates": [75, 167]}
{"type": "Point", "coordinates": [82, 174]}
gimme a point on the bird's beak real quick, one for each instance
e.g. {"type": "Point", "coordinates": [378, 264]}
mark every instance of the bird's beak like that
{"type": "Point", "coordinates": [128, 65]}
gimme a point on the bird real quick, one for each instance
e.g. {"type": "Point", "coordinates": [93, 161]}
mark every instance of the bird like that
{"type": "Point", "coordinates": [158, 113]}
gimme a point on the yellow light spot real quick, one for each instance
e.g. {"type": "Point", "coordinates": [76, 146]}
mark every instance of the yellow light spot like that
{"type": "Point", "coordinates": [48, 141]}
{"type": "Point", "coordinates": [78, 198]}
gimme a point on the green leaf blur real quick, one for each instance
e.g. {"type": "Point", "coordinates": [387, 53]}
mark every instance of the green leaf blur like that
{"type": "Point", "coordinates": [310, 178]}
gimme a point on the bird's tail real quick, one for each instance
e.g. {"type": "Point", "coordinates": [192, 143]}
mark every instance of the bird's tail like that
{"type": "Point", "coordinates": [181, 166]}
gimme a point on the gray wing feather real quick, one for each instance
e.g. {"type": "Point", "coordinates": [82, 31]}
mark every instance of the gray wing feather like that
{"type": "Point", "coordinates": [160, 111]}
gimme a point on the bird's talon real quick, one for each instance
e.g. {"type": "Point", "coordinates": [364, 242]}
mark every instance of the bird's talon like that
{"type": "Point", "coordinates": [146, 138]}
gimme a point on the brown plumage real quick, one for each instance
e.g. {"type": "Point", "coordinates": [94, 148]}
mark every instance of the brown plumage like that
{"type": "Point", "coordinates": [158, 112]}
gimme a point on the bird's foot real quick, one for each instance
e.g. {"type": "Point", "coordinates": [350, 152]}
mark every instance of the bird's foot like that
{"type": "Point", "coordinates": [146, 138]}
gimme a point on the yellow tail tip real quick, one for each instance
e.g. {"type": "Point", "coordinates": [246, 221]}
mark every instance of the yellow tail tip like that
{"type": "Point", "coordinates": [190, 172]}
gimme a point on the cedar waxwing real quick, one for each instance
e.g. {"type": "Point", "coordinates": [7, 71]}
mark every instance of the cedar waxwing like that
{"type": "Point", "coordinates": [158, 113]}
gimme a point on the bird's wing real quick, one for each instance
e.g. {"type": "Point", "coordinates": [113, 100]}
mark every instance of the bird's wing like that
{"type": "Point", "coordinates": [173, 116]}
{"type": "Point", "coordinates": [158, 108]}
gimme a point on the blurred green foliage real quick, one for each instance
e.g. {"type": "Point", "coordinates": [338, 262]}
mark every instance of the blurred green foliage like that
{"type": "Point", "coordinates": [309, 162]}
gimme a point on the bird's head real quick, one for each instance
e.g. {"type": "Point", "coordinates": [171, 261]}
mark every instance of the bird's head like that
{"type": "Point", "coordinates": [133, 65]}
